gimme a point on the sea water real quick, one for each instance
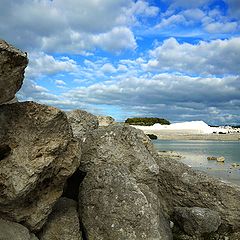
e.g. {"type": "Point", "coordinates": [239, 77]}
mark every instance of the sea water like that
{"type": "Point", "coordinates": [195, 153]}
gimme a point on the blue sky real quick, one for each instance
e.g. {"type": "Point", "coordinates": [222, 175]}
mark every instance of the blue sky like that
{"type": "Point", "coordinates": [177, 59]}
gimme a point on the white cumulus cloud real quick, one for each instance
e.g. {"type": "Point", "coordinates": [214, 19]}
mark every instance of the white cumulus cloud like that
{"type": "Point", "coordinates": [60, 82]}
{"type": "Point", "coordinates": [214, 57]}
{"type": "Point", "coordinates": [218, 27]}
{"type": "Point", "coordinates": [43, 64]}
{"type": "Point", "coordinates": [72, 25]}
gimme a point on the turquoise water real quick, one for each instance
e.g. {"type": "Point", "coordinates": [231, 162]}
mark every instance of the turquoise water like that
{"type": "Point", "coordinates": [195, 154]}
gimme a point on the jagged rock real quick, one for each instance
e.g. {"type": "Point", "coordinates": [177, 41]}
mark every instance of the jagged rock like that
{"type": "Point", "coordinates": [82, 122]}
{"type": "Point", "coordinates": [117, 196]}
{"type": "Point", "coordinates": [197, 221]}
{"type": "Point", "coordinates": [180, 186]}
{"type": "Point", "coordinates": [14, 231]}
{"type": "Point", "coordinates": [37, 155]}
{"type": "Point", "coordinates": [105, 121]}
{"type": "Point", "coordinates": [63, 222]}
{"type": "Point", "coordinates": [12, 66]}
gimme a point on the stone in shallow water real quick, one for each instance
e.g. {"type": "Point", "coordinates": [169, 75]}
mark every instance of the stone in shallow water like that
{"type": "Point", "coordinates": [12, 66]}
{"type": "Point", "coordinates": [152, 136]}
{"type": "Point", "coordinates": [38, 153]}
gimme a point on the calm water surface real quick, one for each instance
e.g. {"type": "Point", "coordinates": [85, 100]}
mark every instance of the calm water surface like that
{"type": "Point", "coordinates": [195, 154]}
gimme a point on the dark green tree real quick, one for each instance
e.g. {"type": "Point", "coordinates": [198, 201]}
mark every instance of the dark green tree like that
{"type": "Point", "coordinates": [147, 121]}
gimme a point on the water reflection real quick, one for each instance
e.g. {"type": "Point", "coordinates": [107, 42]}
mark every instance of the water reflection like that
{"type": "Point", "coordinates": [195, 154]}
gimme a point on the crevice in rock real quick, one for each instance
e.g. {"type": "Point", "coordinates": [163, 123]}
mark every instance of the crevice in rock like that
{"type": "Point", "coordinates": [5, 150]}
{"type": "Point", "coordinates": [84, 231]}
{"type": "Point", "coordinates": [71, 188]}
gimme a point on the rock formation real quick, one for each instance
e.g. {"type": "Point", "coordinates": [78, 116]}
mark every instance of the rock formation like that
{"type": "Point", "coordinates": [117, 196]}
{"type": "Point", "coordinates": [82, 122]}
{"type": "Point", "coordinates": [63, 222]}
{"type": "Point", "coordinates": [105, 121]}
{"type": "Point", "coordinates": [37, 155]}
{"type": "Point", "coordinates": [14, 231]}
{"type": "Point", "coordinates": [12, 66]}
{"type": "Point", "coordinates": [197, 221]}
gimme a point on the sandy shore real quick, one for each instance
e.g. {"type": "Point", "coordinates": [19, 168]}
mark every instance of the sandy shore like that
{"type": "Point", "coordinates": [178, 135]}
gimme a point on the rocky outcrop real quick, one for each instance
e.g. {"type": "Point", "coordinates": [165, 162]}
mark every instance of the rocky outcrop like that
{"type": "Point", "coordinates": [82, 122]}
{"type": "Point", "coordinates": [180, 186]}
{"type": "Point", "coordinates": [127, 190]}
{"type": "Point", "coordinates": [14, 231]}
{"type": "Point", "coordinates": [63, 222]}
{"type": "Point", "coordinates": [117, 196]}
{"type": "Point", "coordinates": [105, 121]}
{"type": "Point", "coordinates": [197, 221]}
{"type": "Point", "coordinates": [12, 66]}
{"type": "Point", "coordinates": [37, 155]}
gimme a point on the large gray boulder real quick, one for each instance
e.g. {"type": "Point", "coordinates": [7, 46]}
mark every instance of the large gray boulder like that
{"type": "Point", "coordinates": [82, 122]}
{"type": "Point", "coordinates": [180, 186]}
{"type": "Point", "coordinates": [117, 196]}
{"type": "Point", "coordinates": [197, 221]}
{"type": "Point", "coordinates": [12, 66]}
{"type": "Point", "coordinates": [37, 155]}
{"type": "Point", "coordinates": [63, 222]}
{"type": "Point", "coordinates": [14, 231]}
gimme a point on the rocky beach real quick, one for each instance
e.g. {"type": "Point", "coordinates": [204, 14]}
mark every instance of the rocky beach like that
{"type": "Point", "coordinates": [63, 176]}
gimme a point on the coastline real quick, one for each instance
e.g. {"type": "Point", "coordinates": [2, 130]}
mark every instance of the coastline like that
{"type": "Point", "coordinates": [180, 135]}
{"type": "Point", "coordinates": [224, 172]}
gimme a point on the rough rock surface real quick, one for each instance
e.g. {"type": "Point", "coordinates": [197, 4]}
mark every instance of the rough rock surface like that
{"type": "Point", "coordinates": [14, 231]}
{"type": "Point", "coordinates": [180, 186]}
{"type": "Point", "coordinates": [63, 222]}
{"type": "Point", "coordinates": [117, 196]}
{"type": "Point", "coordinates": [197, 221]}
{"type": "Point", "coordinates": [12, 66]}
{"type": "Point", "coordinates": [82, 122]}
{"type": "Point", "coordinates": [105, 121]}
{"type": "Point", "coordinates": [37, 155]}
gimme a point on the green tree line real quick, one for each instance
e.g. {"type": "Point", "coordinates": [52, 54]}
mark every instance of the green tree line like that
{"type": "Point", "coordinates": [146, 121]}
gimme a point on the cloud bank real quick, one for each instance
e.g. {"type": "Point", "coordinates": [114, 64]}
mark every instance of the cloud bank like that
{"type": "Point", "coordinates": [176, 59]}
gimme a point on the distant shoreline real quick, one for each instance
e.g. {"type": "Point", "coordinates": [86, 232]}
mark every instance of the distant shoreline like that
{"type": "Point", "coordinates": [178, 135]}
